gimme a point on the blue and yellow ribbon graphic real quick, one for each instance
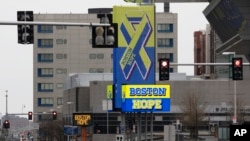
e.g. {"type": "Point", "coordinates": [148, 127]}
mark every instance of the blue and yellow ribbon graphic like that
{"type": "Point", "coordinates": [136, 30]}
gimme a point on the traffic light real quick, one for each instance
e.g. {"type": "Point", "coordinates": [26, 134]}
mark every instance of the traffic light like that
{"type": "Point", "coordinates": [30, 115]}
{"type": "Point", "coordinates": [164, 69]}
{"type": "Point", "coordinates": [6, 124]}
{"type": "Point", "coordinates": [105, 36]}
{"type": "Point", "coordinates": [54, 115]}
{"type": "Point", "coordinates": [237, 68]}
{"type": "Point", "coordinates": [25, 32]}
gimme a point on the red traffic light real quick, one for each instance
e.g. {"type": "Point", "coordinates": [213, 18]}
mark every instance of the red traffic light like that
{"type": "Point", "coordinates": [30, 115]}
{"type": "Point", "coordinates": [6, 124]}
{"type": "Point", "coordinates": [164, 63]}
{"type": "Point", "coordinates": [237, 63]}
{"type": "Point", "coordinates": [54, 115]}
{"type": "Point", "coordinates": [237, 68]}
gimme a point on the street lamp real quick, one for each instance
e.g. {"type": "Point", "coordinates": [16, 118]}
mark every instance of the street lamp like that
{"type": "Point", "coordinates": [235, 92]}
{"type": "Point", "coordinates": [6, 103]}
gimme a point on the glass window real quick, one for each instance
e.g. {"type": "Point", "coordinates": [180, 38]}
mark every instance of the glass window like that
{"type": "Point", "coordinates": [45, 43]}
{"type": "Point", "coordinates": [165, 27]}
{"type": "Point", "coordinates": [45, 29]}
{"type": "Point", "coordinates": [60, 101]}
{"type": "Point", "coordinates": [45, 87]}
{"type": "Point", "coordinates": [61, 71]}
{"type": "Point", "coordinates": [165, 42]}
{"type": "Point", "coordinates": [61, 41]}
{"type": "Point", "coordinates": [45, 57]}
{"type": "Point", "coordinates": [170, 56]}
{"type": "Point", "coordinates": [45, 102]}
{"type": "Point", "coordinates": [59, 85]}
{"type": "Point", "coordinates": [45, 72]}
{"type": "Point", "coordinates": [92, 70]}
{"type": "Point", "coordinates": [100, 56]}
{"type": "Point", "coordinates": [92, 56]}
{"type": "Point", "coordinates": [100, 70]}
{"type": "Point", "coordinates": [61, 56]}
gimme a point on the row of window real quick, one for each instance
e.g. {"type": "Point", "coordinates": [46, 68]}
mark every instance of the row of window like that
{"type": "Point", "coordinates": [48, 102]}
{"type": "Point", "coordinates": [48, 43]}
{"type": "Point", "coordinates": [49, 72]}
{"type": "Point", "coordinates": [48, 57]}
{"type": "Point", "coordinates": [161, 28]}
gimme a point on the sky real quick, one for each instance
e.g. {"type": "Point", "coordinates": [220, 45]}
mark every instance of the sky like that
{"type": "Point", "coordinates": [16, 61]}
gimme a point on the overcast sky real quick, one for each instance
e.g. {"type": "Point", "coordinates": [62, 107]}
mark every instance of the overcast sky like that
{"type": "Point", "coordinates": [16, 73]}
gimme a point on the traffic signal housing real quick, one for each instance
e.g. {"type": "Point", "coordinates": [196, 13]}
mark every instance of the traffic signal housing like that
{"type": "Point", "coordinates": [237, 69]}
{"type": "Point", "coordinates": [30, 115]}
{"type": "Point", "coordinates": [25, 32]}
{"type": "Point", "coordinates": [104, 36]}
{"type": "Point", "coordinates": [6, 124]}
{"type": "Point", "coordinates": [54, 115]}
{"type": "Point", "coordinates": [163, 69]}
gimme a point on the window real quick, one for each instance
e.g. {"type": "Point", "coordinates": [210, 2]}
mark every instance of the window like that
{"type": "Point", "coordinates": [45, 72]}
{"type": "Point", "coordinates": [61, 27]}
{"type": "Point", "coordinates": [92, 70]}
{"type": "Point", "coordinates": [100, 56]}
{"type": "Point", "coordinates": [165, 42]}
{"type": "Point", "coordinates": [96, 56]}
{"type": "Point", "coordinates": [92, 56]}
{"type": "Point", "coordinates": [61, 56]}
{"type": "Point", "coordinates": [61, 71]}
{"type": "Point", "coordinates": [45, 57]}
{"type": "Point", "coordinates": [170, 56]}
{"type": "Point", "coordinates": [45, 43]}
{"type": "Point", "coordinates": [59, 85]}
{"type": "Point", "coordinates": [100, 70]}
{"type": "Point", "coordinates": [61, 41]}
{"type": "Point", "coordinates": [46, 102]}
{"type": "Point", "coordinates": [165, 28]}
{"type": "Point", "coordinates": [60, 101]}
{"type": "Point", "coordinates": [45, 29]}
{"type": "Point", "coordinates": [45, 87]}
{"type": "Point", "coordinates": [96, 70]}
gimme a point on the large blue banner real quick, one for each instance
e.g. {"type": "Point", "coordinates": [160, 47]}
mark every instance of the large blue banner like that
{"type": "Point", "coordinates": [134, 59]}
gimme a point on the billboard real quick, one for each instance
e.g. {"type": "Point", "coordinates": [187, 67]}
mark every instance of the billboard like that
{"type": "Point", "coordinates": [82, 119]}
{"type": "Point", "coordinates": [134, 59]}
{"type": "Point", "coordinates": [143, 98]}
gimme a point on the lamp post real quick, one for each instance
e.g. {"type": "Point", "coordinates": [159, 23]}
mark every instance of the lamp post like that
{"type": "Point", "coordinates": [235, 91]}
{"type": "Point", "coordinates": [6, 103]}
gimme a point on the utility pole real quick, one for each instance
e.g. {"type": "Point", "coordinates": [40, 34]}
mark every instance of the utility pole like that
{"type": "Point", "coordinates": [6, 103]}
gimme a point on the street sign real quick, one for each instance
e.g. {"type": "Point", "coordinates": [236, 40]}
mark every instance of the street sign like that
{"type": "Point", "coordinates": [70, 130]}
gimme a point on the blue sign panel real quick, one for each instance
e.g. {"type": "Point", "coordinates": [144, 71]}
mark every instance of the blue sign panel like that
{"type": "Point", "coordinates": [134, 59]}
{"type": "Point", "coordinates": [70, 130]}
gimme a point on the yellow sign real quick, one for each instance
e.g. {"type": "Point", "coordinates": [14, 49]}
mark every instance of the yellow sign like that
{"type": "Point", "coordinates": [147, 104]}
{"type": "Point", "coordinates": [81, 119]}
{"type": "Point", "coordinates": [145, 91]}
{"type": "Point", "coordinates": [109, 91]}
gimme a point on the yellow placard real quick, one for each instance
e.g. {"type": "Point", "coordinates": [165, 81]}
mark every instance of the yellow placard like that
{"type": "Point", "coordinates": [109, 91]}
{"type": "Point", "coordinates": [145, 91]}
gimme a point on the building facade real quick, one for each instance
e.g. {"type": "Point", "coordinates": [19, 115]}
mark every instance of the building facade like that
{"type": "Point", "coordinates": [199, 51]}
{"type": "Point", "coordinates": [62, 50]}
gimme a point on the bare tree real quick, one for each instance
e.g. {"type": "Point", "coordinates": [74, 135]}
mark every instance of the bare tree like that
{"type": "Point", "coordinates": [240, 110]}
{"type": "Point", "coordinates": [52, 130]}
{"type": "Point", "coordinates": [193, 109]}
